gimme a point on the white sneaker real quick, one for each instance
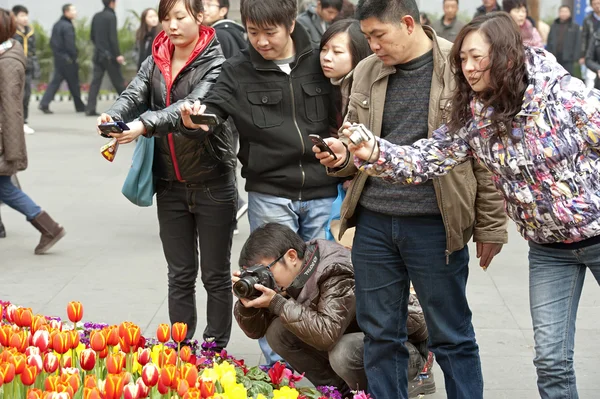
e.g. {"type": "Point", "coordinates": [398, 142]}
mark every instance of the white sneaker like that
{"type": "Point", "coordinates": [242, 211]}
{"type": "Point", "coordinates": [28, 130]}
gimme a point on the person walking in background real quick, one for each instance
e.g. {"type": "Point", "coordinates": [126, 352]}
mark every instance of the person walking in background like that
{"type": "Point", "coordinates": [448, 25]}
{"type": "Point", "coordinates": [13, 152]}
{"type": "Point", "coordinates": [26, 36]}
{"type": "Point", "coordinates": [317, 18]}
{"type": "Point", "coordinates": [590, 25]}
{"type": "Point", "coordinates": [107, 55]}
{"type": "Point", "coordinates": [66, 66]}
{"type": "Point", "coordinates": [518, 11]}
{"type": "Point", "coordinates": [486, 7]}
{"type": "Point", "coordinates": [232, 37]}
{"type": "Point", "coordinates": [149, 28]}
{"type": "Point", "coordinates": [564, 40]}
{"type": "Point", "coordinates": [348, 10]}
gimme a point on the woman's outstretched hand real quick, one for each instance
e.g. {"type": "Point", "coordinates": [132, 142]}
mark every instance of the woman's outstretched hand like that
{"type": "Point", "coordinates": [187, 110]}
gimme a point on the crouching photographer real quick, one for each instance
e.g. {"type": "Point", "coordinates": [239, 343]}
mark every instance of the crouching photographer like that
{"type": "Point", "coordinates": [301, 297]}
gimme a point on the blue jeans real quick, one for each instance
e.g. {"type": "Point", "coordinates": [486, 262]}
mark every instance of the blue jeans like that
{"type": "Point", "coordinates": [307, 218]}
{"type": "Point", "coordinates": [389, 252]}
{"type": "Point", "coordinates": [12, 196]}
{"type": "Point", "coordinates": [555, 282]}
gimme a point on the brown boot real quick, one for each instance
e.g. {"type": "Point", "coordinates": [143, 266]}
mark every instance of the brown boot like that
{"type": "Point", "coordinates": [51, 232]}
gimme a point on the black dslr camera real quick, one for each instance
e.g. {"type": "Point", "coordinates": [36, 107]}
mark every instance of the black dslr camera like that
{"type": "Point", "coordinates": [257, 274]}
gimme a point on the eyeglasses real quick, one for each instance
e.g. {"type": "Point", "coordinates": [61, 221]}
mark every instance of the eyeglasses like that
{"type": "Point", "coordinates": [275, 261]}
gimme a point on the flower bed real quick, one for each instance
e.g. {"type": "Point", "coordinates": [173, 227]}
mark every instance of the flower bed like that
{"type": "Point", "coordinates": [45, 358]}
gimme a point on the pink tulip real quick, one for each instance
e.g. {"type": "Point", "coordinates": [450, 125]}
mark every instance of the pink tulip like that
{"type": "Point", "coordinates": [50, 363]}
{"type": "Point", "coordinates": [131, 391]}
{"type": "Point", "coordinates": [35, 360]}
{"type": "Point", "coordinates": [144, 355]}
{"type": "Point", "coordinates": [144, 390]}
{"type": "Point", "coordinates": [150, 375]}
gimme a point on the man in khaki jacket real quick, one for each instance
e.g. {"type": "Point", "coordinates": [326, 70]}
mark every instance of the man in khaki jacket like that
{"type": "Point", "coordinates": [416, 234]}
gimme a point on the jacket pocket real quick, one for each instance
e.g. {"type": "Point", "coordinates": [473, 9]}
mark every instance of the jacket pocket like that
{"type": "Point", "coordinates": [361, 104]}
{"type": "Point", "coordinates": [266, 108]}
{"type": "Point", "coordinates": [316, 97]}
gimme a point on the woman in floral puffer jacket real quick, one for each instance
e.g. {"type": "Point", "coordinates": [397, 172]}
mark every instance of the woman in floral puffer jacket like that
{"type": "Point", "coordinates": [537, 130]}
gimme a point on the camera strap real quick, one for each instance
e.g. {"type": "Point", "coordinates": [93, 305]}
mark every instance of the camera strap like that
{"type": "Point", "coordinates": [311, 261]}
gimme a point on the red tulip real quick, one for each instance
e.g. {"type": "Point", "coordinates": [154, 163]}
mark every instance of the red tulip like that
{"type": "Point", "coordinates": [113, 388]}
{"type": "Point", "coordinates": [29, 375]}
{"type": "Point", "coordinates": [7, 371]}
{"type": "Point", "coordinates": [179, 331]}
{"type": "Point", "coordinates": [168, 375]}
{"type": "Point", "coordinates": [162, 388]}
{"type": "Point", "coordinates": [87, 359]}
{"type": "Point", "coordinates": [131, 391]}
{"type": "Point", "coordinates": [75, 311]}
{"type": "Point", "coordinates": [103, 353]}
{"type": "Point", "coordinates": [150, 374]}
{"type": "Point", "coordinates": [11, 313]}
{"type": "Point", "coordinates": [207, 388]}
{"type": "Point", "coordinates": [189, 372]}
{"type": "Point", "coordinates": [163, 333]}
{"type": "Point", "coordinates": [50, 363]}
{"type": "Point", "coordinates": [34, 393]}
{"type": "Point", "coordinates": [143, 389]}
{"type": "Point", "coordinates": [41, 339]}
{"type": "Point", "coordinates": [36, 360]}
{"type": "Point", "coordinates": [124, 345]}
{"type": "Point", "coordinates": [115, 363]}
{"type": "Point", "coordinates": [144, 355]}
{"type": "Point", "coordinates": [97, 340]}
{"type": "Point", "coordinates": [91, 393]}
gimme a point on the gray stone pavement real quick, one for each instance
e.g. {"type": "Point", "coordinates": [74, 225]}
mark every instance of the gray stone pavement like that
{"type": "Point", "coordinates": [111, 260]}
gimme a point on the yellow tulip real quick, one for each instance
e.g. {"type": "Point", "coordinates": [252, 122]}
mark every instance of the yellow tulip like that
{"type": "Point", "coordinates": [285, 393]}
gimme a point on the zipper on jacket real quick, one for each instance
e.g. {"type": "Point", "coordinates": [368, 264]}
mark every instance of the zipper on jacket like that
{"type": "Point", "coordinates": [300, 134]}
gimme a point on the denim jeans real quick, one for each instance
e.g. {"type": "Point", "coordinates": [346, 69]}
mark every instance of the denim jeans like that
{"type": "Point", "coordinates": [12, 196]}
{"type": "Point", "coordinates": [307, 218]}
{"type": "Point", "coordinates": [389, 252]}
{"type": "Point", "coordinates": [555, 282]}
{"type": "Point", "coordinates": [199, 214]}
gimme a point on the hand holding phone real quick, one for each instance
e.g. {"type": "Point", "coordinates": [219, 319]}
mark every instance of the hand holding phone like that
{"type": "Point", "coordinates": [112, 127]}
{"type": "Point", "coordinates": [205, 119]}
{"type": "Point", "coordinates": [321, 144]}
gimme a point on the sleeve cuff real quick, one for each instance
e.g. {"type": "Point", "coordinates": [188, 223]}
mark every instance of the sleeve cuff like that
{"type": "Point", "coordinates": [276, 305]}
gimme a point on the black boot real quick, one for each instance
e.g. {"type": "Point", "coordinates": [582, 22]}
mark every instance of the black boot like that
{"type": "Point", "coordinates": [2, 229]}
{"type": "Point", "coordinates": [51, 232]}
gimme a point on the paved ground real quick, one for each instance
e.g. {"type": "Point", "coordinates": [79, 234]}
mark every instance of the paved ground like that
{"type": "Point", "coordinates": [111, 260]}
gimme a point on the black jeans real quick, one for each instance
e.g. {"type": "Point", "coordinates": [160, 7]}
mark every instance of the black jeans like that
{"type": "Point", "coordinates": [204, 214]}
{"type": "Point", "coordinates": [102, 65]}
{"type": "Point", "coordinates": [70, 73]}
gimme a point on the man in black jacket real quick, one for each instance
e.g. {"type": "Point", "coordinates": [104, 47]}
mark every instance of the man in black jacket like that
{"type": "Point", "coordinates": [487, 6]}
{"type": "Point", "coordinates": [317, 18]}
{"type": "Point", "coordinates": [107, 56]}
{"type": "Point", "coordinates": [564, 40]}
{"type": "Point", "coordinates": [66, 67]}
{"type": "Point", "coordinates": [277, 95]}
{"type": "Point", "coordinates": [26, 36]}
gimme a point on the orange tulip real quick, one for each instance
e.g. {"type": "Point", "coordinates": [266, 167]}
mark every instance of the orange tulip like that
{"type": "Point", "coordinates": [29, 375]}
{"type": "Point", "coordinates": [163, 333]}
{"type": "Point", "coordinates": [75, 311]}
{"type": "Point", "coordinates": [150, 375]}
{"type": "Point", "coordinates": [37, 322]}
{"type": "Point", "coordinates": [103, 353]}
{"type": "Point", "coordinates": [34, 393]}
{"type": "Point", "coordinates": [51, 383]}
{"type": "Point", "coordinates": [91, 393]}
{"type": "Point", "coordinates": [73, 380]}
{"type": "Point", "coordinates": [5, 333]}
{"type": "Point", "coordinates": [66, 388]}
{"type": "Point", "coordinates": [115, 362]}
{"type": "Point", "coordinates": [182, 387]}
{"type": "Point", "coordinates": [189, 372]}
{"type": "Point", "coordinates": [97, 341]}
{"type": "Point", "coordinates": [112, 337]}
{"type": "Point", "coordinates": [23, 317]}
{"type": "Point", "coordinates": [50, 363]}
{"type": "Point", "coordinates": [207, 388]}
{"type": "Point", "coordinates": [7, 371]}
{"type": "Point", "coordinates": [168, 375]}
{"type": "Point", "coordinates": [132, 335]}
{"type": "Point", "coordinates": [179, 331]}
{"type": "Point", "coordinates": [192, 393]}
{"type": "Point", "coordinates": [19, 340]}
{"type": "Point", "coordinates": [60, 342]}
{"type": "Point", "coordinates": [90, 381]}
{"type": "Point", "coordinates": [185, 354]}
{"type": "Point", "coordinates": [113, 388]}
{"type": "Point", "coordinates": [74, 339]}
{"type": "Point", "coordinates": [162, 388]}
{"type": "Point", "coordinates": [20, 361]}
{"type": "Point", "coordinates": [87, 359]}
{"type": "Point", "coordinates": [169, 357]}
{"type": "Point", "coordinates": [124, 345]}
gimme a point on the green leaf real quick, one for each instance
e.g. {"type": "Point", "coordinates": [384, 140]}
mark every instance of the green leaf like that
{"type": "Point", "coordinates": [256, 374]}
{"type": "Point", "coordinates": [260, 387]}
{"type": "Point", "coordinates": [310, 393]}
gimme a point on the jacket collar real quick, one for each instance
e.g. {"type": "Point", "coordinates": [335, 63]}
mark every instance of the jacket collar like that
{"type": "Point", "coordinates": [63, 18]}
{"type": "Point", "coordinates": [301, 41]}
{"type": "Point", "coordinates": [482, 9]}
{"type": "Point", "coordinates": [109, 10]}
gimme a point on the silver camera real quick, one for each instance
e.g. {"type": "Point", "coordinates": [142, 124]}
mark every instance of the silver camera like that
{"type": "Point", "coordinates": [359, 133]}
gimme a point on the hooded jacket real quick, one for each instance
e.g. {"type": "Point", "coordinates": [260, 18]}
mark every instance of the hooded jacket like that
{"type": "Point", "coordinates": [232, 37]}
{"type": "Point", "coordinates": [547, 168]}
{"type": "Point", "coordinates": [155, 98]}
{"type": "Point", "coordinates": [311, 21]}
{"type": "Point", "coordinates": [27, 40]}
{"type": "Point", "coordinates": [13, 151]}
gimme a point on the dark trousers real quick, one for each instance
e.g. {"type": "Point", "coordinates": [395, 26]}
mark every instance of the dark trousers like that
{"type": "Point", "coordinates": [341, 367]}
{"type": "Point", "coordinates": [568, 65]}
{"type": "Point", "coordinates": [199, 214]}
{"type": "Point", "coordinates": [27, 95]}
{"type": "Point", "coordinates": [102, 65]}
{"type": "Point", "coordinates": [70, 73]}
{"type": "Point", "coordinates": [388, 253]}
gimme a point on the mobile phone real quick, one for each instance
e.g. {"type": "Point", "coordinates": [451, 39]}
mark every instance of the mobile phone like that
{"type": "Point", "coordinates": [205, 119]}
{"type": "Point", "coordinates": [112, 127]}
{"type": "Point", "coordinates": [321, 144]}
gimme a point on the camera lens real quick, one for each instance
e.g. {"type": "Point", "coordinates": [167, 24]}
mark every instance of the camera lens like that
{"type": "Point", "coordinates": [244, 288]}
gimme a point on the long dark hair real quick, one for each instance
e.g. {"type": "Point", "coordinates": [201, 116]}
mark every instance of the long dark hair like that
{"type": "Point", "coordinates": [144, 28]}
{"type": "Point", "coordinates": [359, 47]}
{"type": "Point", "coordinates": [508, 72]}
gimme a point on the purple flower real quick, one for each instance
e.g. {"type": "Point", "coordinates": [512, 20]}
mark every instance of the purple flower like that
{"type": "Point", "coordinates": [330, 391]}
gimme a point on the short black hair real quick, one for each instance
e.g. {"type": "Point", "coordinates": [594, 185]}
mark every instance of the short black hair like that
{"type": "Point", "coordinates": [269, 12]}
{"type": "Point", "coordinates": [66, 7]}
{"type": "Point", "coordinates": [443, 1]}
{"type": "Point", "coordinates": [337, 4]}
{"type": "Point", "coordinates": [387, 10]}
{"type": "Point", "coordinates": [508, 5]}
{"type": "Point", "coordinates": [107, 2]}
{"type": "Point", "coordinates": [270, 241]}
{"type": "Point", "coordinates": [224, 3]}
{"type": "Point", "coordinates": [19, 9]}
{"type": "Point", "coordinates": [359, 46]}
{"type": "Point", "coordinates": [563, 6]}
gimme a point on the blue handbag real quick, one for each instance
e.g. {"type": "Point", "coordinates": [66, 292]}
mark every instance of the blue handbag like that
{"type": "Point", "coordinates": [139, 183]}
{"type": "Point", "coordinates": [336, 207]}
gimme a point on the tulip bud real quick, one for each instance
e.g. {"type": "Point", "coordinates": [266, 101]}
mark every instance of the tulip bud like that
{"type": "Point", "coordinates": [19, 340]}
{"type": "Point", "coordinates": [132, 335]}
{"type": "Point", "coordinates": [97, 340]}
{"type": "Point", "coordinates": [112, 337]}
{"type": "Point", "coordinates": [90, 381]}
{"type": "Point", "coordinates": [182, 387]}
{"type": "Point", "coordinates": [34, 393]}
{"type": "Point", "coordinates": [32, 350]}
{"type": "Point", "coordinates": [163, 333]}
{"type": "Point", "coordinates": [162, 388]}
{"type": "Point", "coordinates": [87, 359]}
{"type": "Point", "coordinates": [179, 331]}
{"type": "Point", "coordinates": [36, 360]}
{"type": "Point", "coordinates": [23, 317]}
{"type": "Point", "coordinates": [5, 333]}
{"type": "Point", "coordinates": [189, 372]}
{"type": "Point", "coordinates": [20, 361]}
{"type": "Point", "coordinates": [91, 393]}
{"type": "Point", "coordinates": [115, 363]}
{"type": "Point", "coordinates": [113, 386]}
{"type": "Point", "coordinates": [75, 311]}
{"type": "Point", "coordinates": [41, 339]}
{"type": "Point", "coordinates": [51, 383]}
{"type": "Point", "coordinates": [38, 322]}
{"type": "Point", "coordinates": [131, 391]}
{"type": "Point", "coordinates": [74, 341]}
{"type": "Point", "coordinates": [60, 342]}
{"type": "Point", "coordinates": [55, 324]}
{"type": "Point", "coordinates": [10, 313]}
{"type": "Point", "coordinates": [150, 374]}
{"type": "Point", "coordinates": [144, 355]}
{"type": "Point", "coordinates": [143, 389]}
{"type": "Point", "coordinates": [7, 371]}
{"type": "Point", "coordinates": [207, 388]}
{"type": "Point", "coordinates": [185, 354]}
{"type": "Point", "coordinates": [29, 375]}
{"type": "Point", "coordinates": [168, 374]}
{"type": "Point", "coordinates": [50, 363]}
